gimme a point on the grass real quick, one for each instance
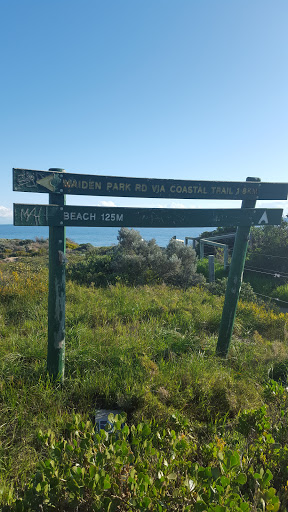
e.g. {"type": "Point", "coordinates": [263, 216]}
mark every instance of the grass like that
{"type": "Point", "coordinates": [149, 351]}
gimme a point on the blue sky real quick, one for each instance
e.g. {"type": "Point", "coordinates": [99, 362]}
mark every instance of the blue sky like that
{"type": "Point", "coordinates": [186, 89]}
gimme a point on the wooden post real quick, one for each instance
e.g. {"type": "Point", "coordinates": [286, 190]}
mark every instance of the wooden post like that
{"type": "Point", "coordinates": [56, 300]}
{"type": "Point", "coordinates": [193, 241]}
{"type": "Point", "coordinates": [234, 282]}
{"type": "Point", "coordinates": [225, 256]}
{"type": "Point", "coordinates": [211, 260]}
{"type": "Point", "coordinates": [201, 249]}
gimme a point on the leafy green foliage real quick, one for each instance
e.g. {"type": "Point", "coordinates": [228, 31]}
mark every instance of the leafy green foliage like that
{"type": "Point", "coordinates": [271, 241]}
{"type": "Point", "coordinates": [268, 253]}
{"type": "Point", "coordinates": [281, 292]}
{"type": "Point", "coordinates": [95, 268]}
{"type": "Point", "coordinates": [219, 288]}
{"type": "Point", "coordinates": [203, 268]}
{"type": "Point", "coordinates": [219, 231]}
{"type": "Point", "coordinates": [266, 263]}
{"type": "Point", "coordinates": [145, 467]}
{"type": "Point", "coordinates": [149, 351]}
{"type": "Point", "coordinates": [137, 262]}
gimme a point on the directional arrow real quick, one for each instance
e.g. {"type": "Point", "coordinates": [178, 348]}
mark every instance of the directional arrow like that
{"type": "Point", "coordinates": [27, 180]}
{"type": "Point", "coordinates": [263, 219]}
{"type": "Point", "coordinates": [97, 216]}
{"type": "Point", "coordinates": [47, 182]}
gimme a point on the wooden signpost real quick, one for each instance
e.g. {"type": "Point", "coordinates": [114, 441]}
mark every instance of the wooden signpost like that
{"type": "Point", "coordinates": [97, 216]}
{"type": "Point", "coordinates": [57, 215]}
{"type": "Point", "coordinates": [57, 293]}
{"type": "Point", "coordinates": [25, 180]}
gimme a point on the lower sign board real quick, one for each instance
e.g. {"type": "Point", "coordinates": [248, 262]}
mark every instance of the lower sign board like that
{"type": "Point", "coordinates": [97, 216]}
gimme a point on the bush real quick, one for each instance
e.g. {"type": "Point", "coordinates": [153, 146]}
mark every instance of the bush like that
{"type": "Point", "coordinates": [265, 321]}
{"type": "Point", "coordinates": [129, 239]}
{"type": "Point", "coordinates": [203, 268]}
{"type": "Point", "coordinates": [281, 292]}
{"type": "Point", "coordinates": [147, 467]}
{"type": "Point", "coordinates": [268, 248]}
{"type": "Point", "coordinates": [219, 288]}
{"type": "Point", "coordinates": [136, 262]}
{"type": "Point", "coordinates": [143, 262]}
{"type": "Point", "coordinates": [96, 268]}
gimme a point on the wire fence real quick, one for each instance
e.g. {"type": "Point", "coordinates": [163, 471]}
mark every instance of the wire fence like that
{"type": "Point", "coordinates": [277, 274]}
{"type": "Point", "coordinates": [274, 273]}
{"type": "Point", "coordinates": [257, 264]}
{"type": "Point", "coordinates": [269, 255]}
{"type": "Point", "coordinates": [272, 298]}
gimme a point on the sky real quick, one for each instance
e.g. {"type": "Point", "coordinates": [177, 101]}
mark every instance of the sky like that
{"type": "Point", "coordinates": [186, 89]}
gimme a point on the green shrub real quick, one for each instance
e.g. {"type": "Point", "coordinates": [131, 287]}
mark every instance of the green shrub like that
{"type": "Point", "coordinates": [144, 467]}
{"type": "Point", "coordinates": [219, 288]}
{"type": "Point", "coordinates": [281, 292]}
{"type": "Point", "coordinates": [265, 321]}
{"type": "Point", "coordinates": [268, 248]}
{"type": "Point", "coordinates": [203, 268]}
{"type": "Point", "coordinates": [136, 262]}
{"type": "Point", "coordinates": [95, 268]}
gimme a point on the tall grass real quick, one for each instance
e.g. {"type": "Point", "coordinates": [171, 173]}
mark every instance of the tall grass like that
{"type": "Point", "coordinates": [149, 351]}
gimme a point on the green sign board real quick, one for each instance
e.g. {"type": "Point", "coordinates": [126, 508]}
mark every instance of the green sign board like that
{"type": "Point", "coordinates": [57, 215]}
{"type": "Point", "coordinates": [25, 180]}
{"type": "Point", "coordinates": [97, 216]}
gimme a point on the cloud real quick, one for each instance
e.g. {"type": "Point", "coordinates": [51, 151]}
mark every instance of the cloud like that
{"type": "Point", "coordinates": [180, 205]}
{"type": "Point", "coordinates": [273, 204]}
{"type": "Point", "coordinates": [6, 213]}
{"type": "Point", "coordinates": [174, 205]}
{"type": "Point", "coordinates": [106, 203]}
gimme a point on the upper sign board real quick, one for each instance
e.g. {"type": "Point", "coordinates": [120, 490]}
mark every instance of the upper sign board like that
{"type": "Point", "coordinates": [25, 180]}
{"type": "Point", "coordinates": [97, 216]}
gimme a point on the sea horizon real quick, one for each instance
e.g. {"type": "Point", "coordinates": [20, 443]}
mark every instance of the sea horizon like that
{"type": "Point", "coordinates": [99, 237]}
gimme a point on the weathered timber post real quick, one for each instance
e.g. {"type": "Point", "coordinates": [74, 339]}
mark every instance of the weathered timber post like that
{"type": "Point", "coordinates": [56, 299]}
{"type": "Point", "coordinates": [193, 241]}
{"type": "Point", "coordinates": [201, 250]}
{"type": "Point", "coordinates": [211, 261]}
{"type": "Point", "coordinates": [234, 282]}
{"type": "Point", "coordinates": [225, 256]}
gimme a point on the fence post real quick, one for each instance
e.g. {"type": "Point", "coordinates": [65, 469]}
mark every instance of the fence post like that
{"type": "Point", "coordinates": [211, 260]}
{"type": "Point", "coordinates": [56, 299]}
{"type": "Point", "coordinates": [225, 257]}
{"type": "Point", "coordinates": [234, 282]}
{"type": "Point", "coordinates": [201, 250]}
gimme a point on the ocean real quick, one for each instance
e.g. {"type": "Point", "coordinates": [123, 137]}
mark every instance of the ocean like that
{"type": "Point", "coordinates": [99, 237]}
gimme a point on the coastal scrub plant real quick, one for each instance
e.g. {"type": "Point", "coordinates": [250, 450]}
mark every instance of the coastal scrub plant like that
{"type": "Point", "coordinates": [135, 261]}
{"type": "Point", "coordinates": [23, 292]}
{"type": "Point", "coordinates": [266, 321]}
{"type": "Point", "coordinates": [268, 248]}
{"type": "Point", "coordinates": [141, 467]}
{"type": "Point", "coordinates": [21, 280]}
